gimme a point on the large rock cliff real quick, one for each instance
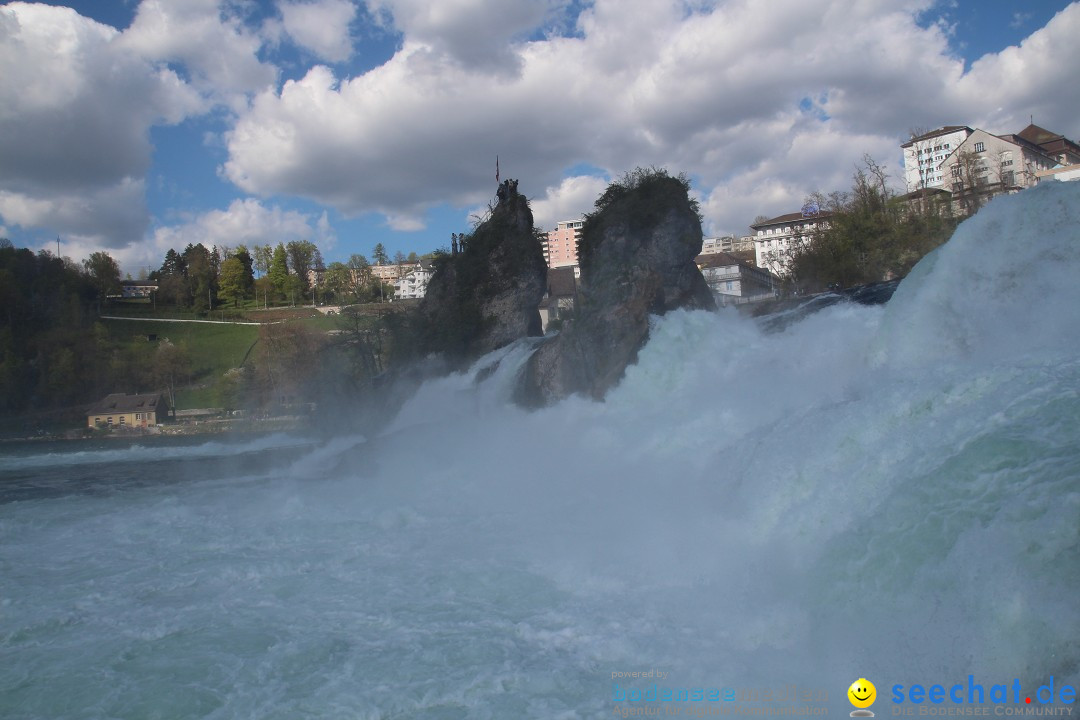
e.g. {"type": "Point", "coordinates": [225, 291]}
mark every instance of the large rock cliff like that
{"type": "Point", "coordinates": [485, 294]}
{"type": "Point", "coordinates": [637, 259]}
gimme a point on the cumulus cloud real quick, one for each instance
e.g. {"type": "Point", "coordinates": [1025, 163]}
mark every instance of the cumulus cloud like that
{"type": "Point", "coordinates": [78, 100]}
{"type": "Point", "coordinates": [321, 27]}
{"type": "Point", "coordinates": [246, 222]}
{"type": "Point", "coordinates": [476, 34]}
{"type": "Point", "coordinates": [761, 103]}
{"type": "Point", "coordinates": [1006, 88]}
{"type": "Point", "coordinates": [75, 111]}
{"type": "Point", "coordinates": [111, 216]}
{"type": "Point", "coordinates": [568, 200]}
{"type": "Point", "coordinates": [213, 45]}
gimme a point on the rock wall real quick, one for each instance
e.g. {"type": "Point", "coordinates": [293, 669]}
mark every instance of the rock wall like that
{"type": "Point", "coordinates": [637, 259]}
{"type": "Point", "coordinates": [486, 294]}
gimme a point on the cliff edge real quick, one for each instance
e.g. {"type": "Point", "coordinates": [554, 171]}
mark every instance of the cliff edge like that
{"type": "Point", "coordinates": [485, 294]}
{"type": "Point", "coordinates": [637, 259]}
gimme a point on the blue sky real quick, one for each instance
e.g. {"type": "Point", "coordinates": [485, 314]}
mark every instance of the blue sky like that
{"type": "Point", "coordinates": [139, 125]}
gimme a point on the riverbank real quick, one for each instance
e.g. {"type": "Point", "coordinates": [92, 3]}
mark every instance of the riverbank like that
{"type": "Point", "coordinates": [210, 426]}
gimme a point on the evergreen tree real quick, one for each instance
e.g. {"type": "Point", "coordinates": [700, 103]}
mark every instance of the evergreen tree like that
{"type": "Point", "coordinates": [379, 253]}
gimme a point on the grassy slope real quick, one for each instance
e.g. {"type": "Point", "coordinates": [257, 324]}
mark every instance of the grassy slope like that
{"type": "Point", "coordinates": [216, 348]}
{"type": "Point", "coordinates": [213, 350]}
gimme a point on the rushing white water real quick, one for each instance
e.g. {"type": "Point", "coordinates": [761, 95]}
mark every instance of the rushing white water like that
{"type": "Point", "coordinates": [882, 492]}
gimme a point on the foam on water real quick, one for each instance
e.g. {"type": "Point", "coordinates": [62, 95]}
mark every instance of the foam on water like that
{"type": "Point", "coordinates": [889, 493]}
{"type": "Point", "coordinates": [143, 453]}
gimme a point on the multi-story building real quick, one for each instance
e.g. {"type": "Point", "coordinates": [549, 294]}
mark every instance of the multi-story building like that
{"type": "Point", "coordinates": [924, 154]}
{"type": "Point", "coordinates": [927, 163]}
{"type": "Point", "coordinates": [1058, 147]}
{"type": "Point", "coordinates": [776, 239]}
{"type": "Point", "coordinates": [986, 165]}
{"type": "Point", "coordinates": [561, 247]}
{"type": "Point", "coordinates": [413, 284]}
{"type": "Point", "coordinates": [733, 280]}
{"type": "Point", "coordinates": [727, 244]}
{"type": "Point", "coordinates": [386, 273]}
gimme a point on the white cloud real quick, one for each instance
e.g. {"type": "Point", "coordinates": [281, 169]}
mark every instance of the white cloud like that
{"type": "Point", "coordinates": [75, 112]}
{"type": "Point", "coordinates": [246, 222]}
{"type": "Point", "coordinates": [1019, 19]}
{"type": "Point", "coordinates": [569, 200]}
{"type": "Point", "coordinates": [713, 91]}
{"type": "Point", "coordinates": [217, 50]}
{"type": "Point", "coordinates": [760, 102]}
{"type": "Point", "coordinates": [320, 26]}
{"type": "Point", "coordinates": [1006, 88]}
{"type": "Point", "coordinates": [476, 34]}
{"type": "Point", "coordinates": [111, 216]}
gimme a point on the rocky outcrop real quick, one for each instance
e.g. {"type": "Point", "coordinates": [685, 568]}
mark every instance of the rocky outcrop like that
{"type": "Point", "coordinates": [485, 294]}
{"type": "Point", "coordinates": [637, 259]}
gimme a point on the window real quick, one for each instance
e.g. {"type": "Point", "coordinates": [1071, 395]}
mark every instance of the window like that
{"type": "Point", "coordinates": [1008, 178]}
{"type": "Point", "coordinates": [980, 147]}
{"type": "Point", "coordinates": [956, 170]}
{"type": "Point", "coordinates": [122, 418]}
{"type": "Point", "coordinates": [110, 421]}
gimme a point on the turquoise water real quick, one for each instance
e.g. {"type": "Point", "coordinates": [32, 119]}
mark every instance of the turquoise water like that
{"type": "Point", "coordinates": [888, 492]}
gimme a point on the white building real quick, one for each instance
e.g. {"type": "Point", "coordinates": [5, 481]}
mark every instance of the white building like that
{"type": "Point", "coordinates": [924, 154]}
{"type": "Point", "coordinates": [776, 239]}
{"type": "Point", "coordinates": [413, 283]}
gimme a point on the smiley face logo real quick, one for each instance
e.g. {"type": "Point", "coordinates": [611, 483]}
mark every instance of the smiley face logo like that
{"type": "Point", "coordinates": [862, 693]}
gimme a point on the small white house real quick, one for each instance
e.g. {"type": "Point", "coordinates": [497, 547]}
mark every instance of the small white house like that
{"type": "Point", "coordinates": [413, 282]}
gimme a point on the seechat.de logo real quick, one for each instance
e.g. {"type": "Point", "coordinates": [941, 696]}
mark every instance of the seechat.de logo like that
{"type": "Point", "coordinates": [862, 695]}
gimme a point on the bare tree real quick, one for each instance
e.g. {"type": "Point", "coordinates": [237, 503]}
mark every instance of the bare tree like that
{"type": "Point", "coordinates": [969, 181]}
{"type": "Point", "coordinates": [921, 154]}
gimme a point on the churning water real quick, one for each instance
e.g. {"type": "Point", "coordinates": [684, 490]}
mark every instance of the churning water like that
{"type": "Point", "coordinates": [882, 492]}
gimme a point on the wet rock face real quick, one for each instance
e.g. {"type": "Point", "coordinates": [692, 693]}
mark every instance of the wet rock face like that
{"type": "Point", "coordinates": [637, 259]}
{"type": "Point", "coordinates": [486, 295]}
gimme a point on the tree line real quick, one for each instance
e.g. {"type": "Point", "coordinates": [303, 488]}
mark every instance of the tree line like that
{"type": "Point", "coordinates": [54, 353]}
{"type": "Point", "coordinates": [870, 233]}
{"type": "Point", "coordinates": [287, 273]}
